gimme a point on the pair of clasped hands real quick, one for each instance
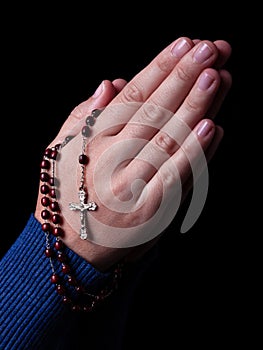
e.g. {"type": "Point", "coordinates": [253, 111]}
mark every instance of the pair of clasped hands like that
{"type": "Point", "coordinates": [152, 134]}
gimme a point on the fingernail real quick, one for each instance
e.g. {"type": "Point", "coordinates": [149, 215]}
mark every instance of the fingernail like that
{"type": "Point", "coordinates": [202, 53]}
{"type": "Point", "coordinates": [99, 90]}
{"type": "Point", "coordinates": [180, 48]}
{"type": "Point", "coordinates": [204, 129]}
{"type": "Point", "coordinates": [205, 81]}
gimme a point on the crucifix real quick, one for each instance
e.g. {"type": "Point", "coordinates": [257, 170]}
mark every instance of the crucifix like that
{"type": "Point", "coordinates": [82, 206]}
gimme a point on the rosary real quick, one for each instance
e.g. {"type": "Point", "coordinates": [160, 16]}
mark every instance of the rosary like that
{"type": "Point", "coordinates": [62, 277]}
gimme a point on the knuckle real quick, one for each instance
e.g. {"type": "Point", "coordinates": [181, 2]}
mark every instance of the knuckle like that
{"type": "Point", "coordinates": [182, 73]}
{"type": "Point", "coordinates": [169, 176]}
{"type": "Point", "coordinates": [150, 114]}
{"type": "Point", "coordinates": [192, 105]}
{"type": "Point", "coordinates": [165, 142]}
{"type": "Point", "coordinates": [131, 93]}
{"type": "Point", "coordinates": [164, 64]}
{"type": "Point", "coordinates": [77, 113]}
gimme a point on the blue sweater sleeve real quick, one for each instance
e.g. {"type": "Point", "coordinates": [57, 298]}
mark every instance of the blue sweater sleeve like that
{"type": "Point", "coordinates": [30, 307]}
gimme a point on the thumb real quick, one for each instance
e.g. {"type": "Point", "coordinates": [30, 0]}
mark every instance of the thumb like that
{"type": "Point", "coordinates": [105, 92]}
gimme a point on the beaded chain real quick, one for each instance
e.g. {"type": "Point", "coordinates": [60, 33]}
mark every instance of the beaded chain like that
{"type": "Point", "coordinates": [66, 285]}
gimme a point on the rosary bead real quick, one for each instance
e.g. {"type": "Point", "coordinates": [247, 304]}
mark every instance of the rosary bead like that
{"type": "Point", "coordinates": [58, 232]}
{"type": "Point", "coordinates": [45, 201]}
{"type": "Point", "coordinates": [83, 159]}
{"type": "Point", "coordinates": [45, 214]}
{"type": "Point", "coordinates": [85, 131]}
{"type": "Point", "coordinates": [47, 152]}
{"type": "Point", "coordinates": [54, 206]}
{"type": "Point", "coordinates": [46, 226]}
{"type": "Point", "coordinates": [56, 219]}
{"type": "Point", "coordinates": [90, 120]}
{"type": "Point", "coordinates": [45, 164]}
{"type": "Point", "coordinates": [54, 278]}
{"type": "Point", "coordinates": [44, 177]}
{"type": "Point", "coordinates": [53, 193]}
{"type": "Point", "coordinates": [62, 257]}
{"type": "Point", "coordinates": [65, 268]}
{"type": "Point", "coordinates": [95, 113]}
{"type": "Point", "coordinates": [59, 245]}
{"type": "Point", "coordinates": [51, 181]}
{"type": "Point", "coordinates": [44, 189]}
{"type": "Point", "coordinates": [54, 154]}
{"type": "Point", "coordinates": [49, 252]}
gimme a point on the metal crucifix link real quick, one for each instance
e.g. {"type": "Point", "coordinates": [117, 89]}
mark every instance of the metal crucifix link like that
{"type": "Point", "coordinates": [82, 206]}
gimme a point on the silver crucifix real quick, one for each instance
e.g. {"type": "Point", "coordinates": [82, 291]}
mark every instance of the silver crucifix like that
{"type": "Point", "coordinates": [82, 206]}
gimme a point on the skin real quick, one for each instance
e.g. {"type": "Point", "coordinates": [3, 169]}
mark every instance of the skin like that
{"type": "Point", "coordinates": [191, 84]}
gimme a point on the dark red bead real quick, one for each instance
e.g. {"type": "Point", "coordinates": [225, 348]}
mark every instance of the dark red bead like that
{"type": "Point", "coordinates": [62, 257]}
{"type": "Point", "coordinates": [47, 152]}
{"type": "Point", "coordinates": [46, 226]}
{"type": "Point", "coordinates": [65, 268]}
{"type": "Point", "coordinates": [54, 278]}
{"type": "Point", "coordinates": [53, 193]}
{"type": "Point", "coordinates": [44, 189]}
{"type": "Point", "coordinates": [83, 159]}
{"type": "Point", "coordinates": [44, 177]}
{"type": "Point", "coordinates": [52, 181]}
{"type": "Point", "coordinates": [45, 164]}
{"type": "Point", "coordinates": [45, 201]}
{"type": "Point", "coordinates": [49, 252]}
{"type": "Point", "coordinates": [59, 245]}
{"type": "Point", "coordinates": [54, 154]}
{"type": "Point", "coordinates": [54, 206]}
{"type": "Point", "coordinates": [56, 219]}
{"type": "Point", "coordinates": [57, 146]}
{"type": "Point", "coordinates": [60, 289]}
{"type": "Point", "coordinates": [58, 232]}
{"type": "Point", "coordinates": [45, 214]}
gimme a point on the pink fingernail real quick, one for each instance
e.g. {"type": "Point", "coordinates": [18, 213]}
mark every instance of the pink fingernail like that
{"type": "Point", "coordinates": [180, 48]}
{"type": "Point", "coordinates": [99, 90]}
{"type": "Point", "coordinates": [202, 53]}
{"type": "Point", "coordinates": [204, 129]}
{"type": "Point", "coordinates": [205, 81]}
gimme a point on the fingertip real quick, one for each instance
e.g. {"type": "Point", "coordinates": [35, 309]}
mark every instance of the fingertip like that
{"type": "Point", "coordinates": [206, 129]}
{"type": "Point", "coordinates": [119, 84]}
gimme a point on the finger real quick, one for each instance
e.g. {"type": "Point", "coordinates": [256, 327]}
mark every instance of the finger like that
{"type": "Point", "coordinates": [210, 153]}
{"type": "Point", "coordinates": [188, 161]}
{"type": "Point", "coordinates": [172, 92]}
{"type": "Point", "coordinates": [101, 97]}
{"type": "Point", "coordinates": [225, 85]}
{"type": "Point", "coordinates": [119, 84]}
{"type": "Point", "coordinates": [225, 50]}
{"type": "Point", "coordinates": [144, 83]}
{"type": "Point", "coordinates": [172, 135]}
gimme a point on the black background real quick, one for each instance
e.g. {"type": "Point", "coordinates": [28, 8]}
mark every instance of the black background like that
{"type": "Point", "coordinates": [53, 59]}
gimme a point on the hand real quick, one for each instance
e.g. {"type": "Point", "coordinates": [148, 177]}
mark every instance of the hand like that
{"type": "Point", "coordinates": [155, 129]}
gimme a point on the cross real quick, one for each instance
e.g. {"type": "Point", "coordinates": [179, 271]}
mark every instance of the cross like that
{"type": "Point", "coordinates": [82, 206]}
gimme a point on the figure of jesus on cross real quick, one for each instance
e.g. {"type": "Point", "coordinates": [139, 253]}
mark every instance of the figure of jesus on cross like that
{"type": "Point", "coordinates": [82, 206]}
